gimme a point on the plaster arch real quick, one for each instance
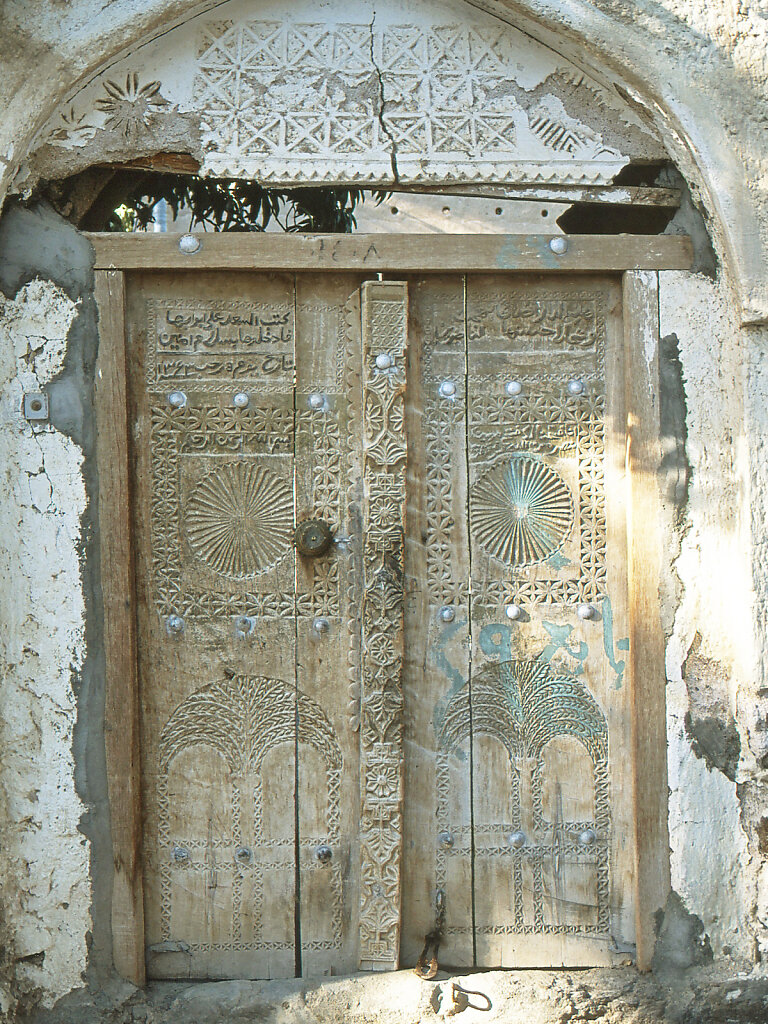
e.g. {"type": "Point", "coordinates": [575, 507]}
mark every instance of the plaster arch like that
{"type": "Point", "coordinates": [697, 72]}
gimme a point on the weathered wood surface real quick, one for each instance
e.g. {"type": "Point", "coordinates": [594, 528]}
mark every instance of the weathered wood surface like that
{"type": "Point", "coordinates": [646, 651]}
{"type": "Point", "coordinates": [608, 195]}
{"type": "Point", "coordinates": [401, 253]}
{"type": "Point", "coordinates": [245, 728]}
{"type": "Point", "coordinates": [491, 759]}
{"type": "Point", "coordinates": [538, 718]}
{"type": "Point", "coordinates": [328, 481]}
{"type": "Point", "coordinates": [117, 585]}
{"type": "Point", "coordinates": [384, 341]}
{"type": "Point", "coordinates": [438, 815]}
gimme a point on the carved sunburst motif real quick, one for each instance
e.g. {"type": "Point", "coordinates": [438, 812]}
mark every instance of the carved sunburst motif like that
{"type": "Point", "coordinates": [239, 519]}
{"type": "Point", "coordinates": [522, 511]}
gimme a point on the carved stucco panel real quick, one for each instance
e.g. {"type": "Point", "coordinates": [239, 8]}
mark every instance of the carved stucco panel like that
{"type": "Point", "coordinates": [375, 92]}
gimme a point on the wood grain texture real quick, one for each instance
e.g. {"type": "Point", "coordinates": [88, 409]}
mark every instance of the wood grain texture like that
{"type": "Point", "coordinates": [552, 808]}
{"type": "Point", "coordinates": [213, 528]}
{"type": "Point", "coordinates": [121, 703]}
{"type": "Point", "coordinates": [438, 815]}
{"type": "Point", "coordinates": [328, 480]}
{"type": "Point", "coordinates": [400, 253]}
{"type": "Point", "coordinates": [606, 195]}
{"type": "Point", "coordinates": [646, 653]}
{"type": "Point", "coordinates": [384, 308]}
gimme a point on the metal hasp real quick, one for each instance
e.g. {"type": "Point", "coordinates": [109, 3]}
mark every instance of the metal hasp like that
{"type": "Point", "coordinates": [313, 537]}
{"type": "Point", "coordinates": [426, 966]}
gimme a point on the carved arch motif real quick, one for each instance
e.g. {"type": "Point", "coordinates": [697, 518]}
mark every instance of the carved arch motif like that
{"type": "Point", "coordinates": [524, 705]}
{"type": "Point", "coordinates": [243, 719]}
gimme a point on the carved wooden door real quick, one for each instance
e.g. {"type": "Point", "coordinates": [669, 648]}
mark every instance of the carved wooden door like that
{"type": "Point", "coordinates": [248, 413]}
{"type": "Point", "coordinates": [518, 785]}
{"type": "Point", "coordinates": [294, 763]}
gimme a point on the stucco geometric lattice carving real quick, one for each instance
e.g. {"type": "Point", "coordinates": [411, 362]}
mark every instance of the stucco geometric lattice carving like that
{"type": "Point", "coordinates": [391, 92]}
{"type": "Point", "coordinates": [292, 94]}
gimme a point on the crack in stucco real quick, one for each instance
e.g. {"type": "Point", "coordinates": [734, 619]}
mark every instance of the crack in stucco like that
{"type": "Point", "coordinates": [382, 104]}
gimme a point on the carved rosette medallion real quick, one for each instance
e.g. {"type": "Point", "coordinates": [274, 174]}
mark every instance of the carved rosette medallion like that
{"type": "Point", "coordinates": [384, 326]}
{"type": "Point", "coordinates": [523, 511]}
{"type": "Point", "coordinates": [239, 519]}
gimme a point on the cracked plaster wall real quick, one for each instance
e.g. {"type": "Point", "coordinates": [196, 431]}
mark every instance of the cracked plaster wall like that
{"type": "Point", "coordinates": [47, 889]}
{"type": "Point", "coordinates": [710, 656]}
{"type": "Point", "coordinates": [716, 663]}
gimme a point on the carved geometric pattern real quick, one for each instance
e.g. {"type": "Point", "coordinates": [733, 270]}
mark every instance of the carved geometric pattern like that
{"type": "Point", "coordinates": [524, 705]}
{"type": "Point", "coordinates": [557, 336]}
{"type": "Point", "coordinates": [384, 326]}
{"type": "Point", "coordinates": [236, 545]}
{"type": "Point", "coordinates": [239, 519]}
{"type": "Point", "coordinates": [242, 719]}
{"type": "Point", "coordinates": [280, 98]}
{"type": "Point", "coordinates": [522, 511]}
{"type": "Point", "coordinates": [441, 417]}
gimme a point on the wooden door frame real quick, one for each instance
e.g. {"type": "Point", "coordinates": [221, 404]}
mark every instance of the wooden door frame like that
{"type": "Point", "coordinates": [636, 258]}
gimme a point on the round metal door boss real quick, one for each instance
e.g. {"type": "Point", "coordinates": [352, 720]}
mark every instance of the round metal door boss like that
{"type": "Point", "coordinates": [189, 244]}
{"type": "Point", "coordinates": [240, 400]}
{"type": "Point", "coordinates": [575, 387]}
{"type": "Point", "coordinates": [383, 361]}
{"type": "Point", "coordinates": [447, 389]}
{"type": "Point", "coordinates": [313, 537]}
{"type": "Point", "coordinates": [513, 388]}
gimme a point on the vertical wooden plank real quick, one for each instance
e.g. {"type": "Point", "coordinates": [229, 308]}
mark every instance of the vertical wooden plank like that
{"type": "Point", "coordinates": [211, 360]}
{"type": "Point", "coordinates": [550, 713]}
{"type": "Point", "coordinates": [121, 705]}
{"type": "Point", "coordinates": [646, 652]}
{"type": "Point", "coordinates": [328, 478]}
{"type": "Point", "coordinates": [438, 819]}
{"type": "Point", "coordinates": [384, 341]}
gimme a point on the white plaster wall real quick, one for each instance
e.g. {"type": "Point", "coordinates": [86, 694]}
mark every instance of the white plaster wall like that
{"type": "Point", "coordinates": [711, 866]}
{"type": "Point", "coordinates": [42, 498]}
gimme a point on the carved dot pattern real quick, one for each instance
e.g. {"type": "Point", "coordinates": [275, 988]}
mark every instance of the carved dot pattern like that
{"type": "Point", "coordinates": [522, 511]}
{"type": "Point", "coordinates": [239, 520]}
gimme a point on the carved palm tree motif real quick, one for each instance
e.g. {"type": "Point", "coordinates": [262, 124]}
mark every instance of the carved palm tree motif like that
{"type": "Point", "coordinates": [243, 719]}
{"type": "Point", "coordinates": [525, 705]}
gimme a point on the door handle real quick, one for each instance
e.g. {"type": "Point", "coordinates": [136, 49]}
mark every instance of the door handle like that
{"type": "Point", "coordinates": [313, 537]}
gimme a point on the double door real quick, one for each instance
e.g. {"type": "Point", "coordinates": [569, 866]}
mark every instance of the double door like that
{"type": "Point", "coordinates": [380, 570]}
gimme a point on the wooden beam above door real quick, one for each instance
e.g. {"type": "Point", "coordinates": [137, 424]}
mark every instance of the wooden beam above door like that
{"type": "Point", "coordinates": [400, 253]}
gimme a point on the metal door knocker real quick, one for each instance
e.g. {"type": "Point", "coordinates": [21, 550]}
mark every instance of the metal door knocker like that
{"type": "Point", "coordinates": [313, 537]}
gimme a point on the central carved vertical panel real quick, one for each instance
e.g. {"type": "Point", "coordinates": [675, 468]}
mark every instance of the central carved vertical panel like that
{"type": "Point", "coordinates": [384, 333]}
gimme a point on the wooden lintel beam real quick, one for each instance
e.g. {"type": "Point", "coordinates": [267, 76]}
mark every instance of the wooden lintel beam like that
{"type": "Point", "coordinates": [400, 253]}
